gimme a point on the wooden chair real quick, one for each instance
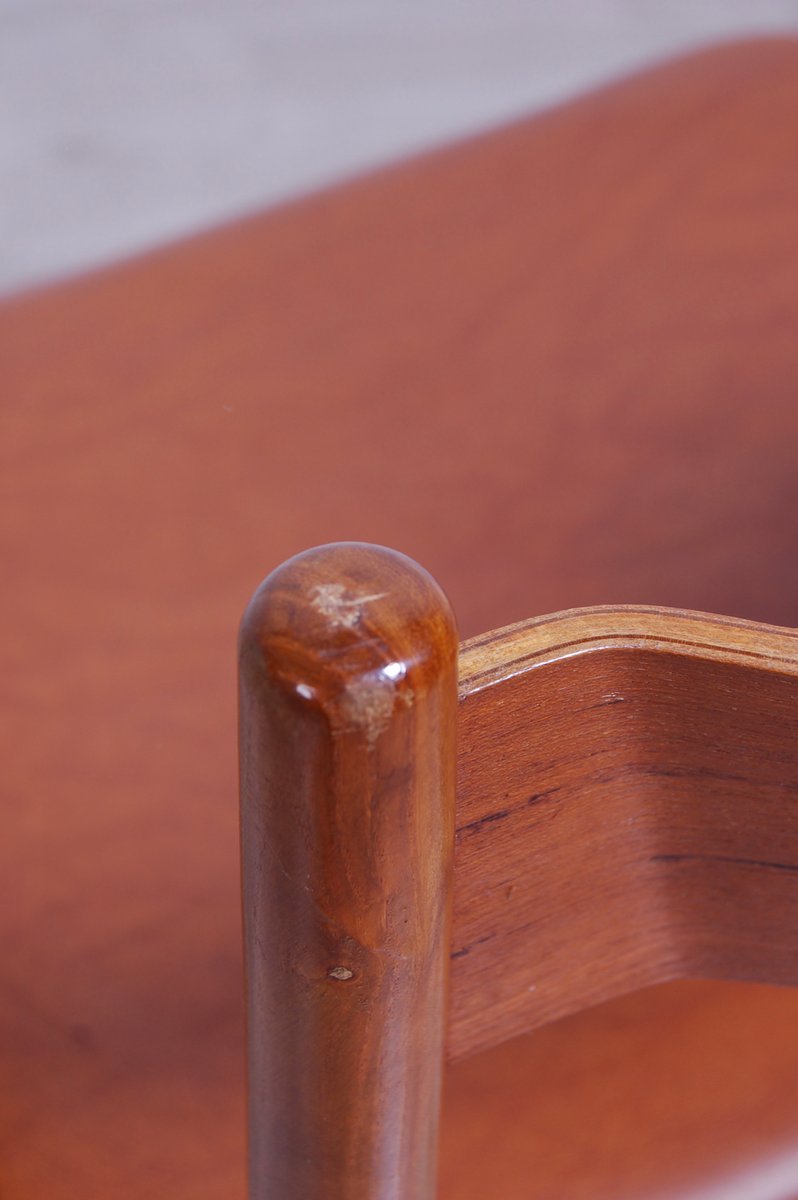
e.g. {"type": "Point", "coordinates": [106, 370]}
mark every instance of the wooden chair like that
{"type": "Point", "coordinates": [625, 814]}
{"type": "Point", "coordinates": [556, 364]}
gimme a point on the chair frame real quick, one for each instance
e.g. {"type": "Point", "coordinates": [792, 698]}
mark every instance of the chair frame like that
{"type": "Point", "coordinates": [622, 816]}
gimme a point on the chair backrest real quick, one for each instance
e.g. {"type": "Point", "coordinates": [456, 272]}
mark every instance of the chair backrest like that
{"type": "Point", "coordinates": [622, 816]}
{"type": "Point", "coordinates": [557, 364]}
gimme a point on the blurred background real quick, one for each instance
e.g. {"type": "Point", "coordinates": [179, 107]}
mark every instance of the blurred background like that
{"type": "Point", "coordinates": [560, 371]}
{"type": "Point", "coordinates": [125, 123]}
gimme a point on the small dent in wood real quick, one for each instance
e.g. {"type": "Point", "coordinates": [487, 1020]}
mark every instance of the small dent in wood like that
{"type": "Point", "coordinates": [366, 705]}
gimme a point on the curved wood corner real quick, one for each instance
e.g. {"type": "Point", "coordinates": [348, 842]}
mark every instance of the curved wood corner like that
{"type": "Point", "coordinates": [348, 657]}
{"type": "Point", "coordinates": [627, 812]}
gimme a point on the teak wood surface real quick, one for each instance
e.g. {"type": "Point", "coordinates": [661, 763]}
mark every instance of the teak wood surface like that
{"type": "Point", "coordinates": [559, 362]}
{"type": "Point", "coordinates": [626, 812]}
{"type": "Point", "coordinates": [626, 786]}
{"type": "Point", "coordinates": [348, 668]}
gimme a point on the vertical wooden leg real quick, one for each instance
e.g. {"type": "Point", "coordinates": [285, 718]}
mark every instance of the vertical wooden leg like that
{"type": "Point", "coordinates": [348, 660]}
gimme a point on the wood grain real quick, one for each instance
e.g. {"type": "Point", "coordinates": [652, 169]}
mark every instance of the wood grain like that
{"type": "Point", "coordinates": [348, 711]}
{"type": "Point", "coordinates": [626, 812]}
{"type": "Point", "coordinates": [557, 365]}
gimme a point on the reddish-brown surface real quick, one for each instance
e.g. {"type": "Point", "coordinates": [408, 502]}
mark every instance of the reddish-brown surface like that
{"type": "Point", "coordinates": [626, 813]}
{"type": "Point", "coordinates": [348, 702]}
{"type": "Point", "coordinates": [557, 366]}
{"type": "Point", "coordinates": [687, 1090]}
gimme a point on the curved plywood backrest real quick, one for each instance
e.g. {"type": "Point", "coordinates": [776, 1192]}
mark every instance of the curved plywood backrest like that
{"type": "Point", "coordinates": [612, 283]}
{"type": "Point", "coordinates": [627, 812]}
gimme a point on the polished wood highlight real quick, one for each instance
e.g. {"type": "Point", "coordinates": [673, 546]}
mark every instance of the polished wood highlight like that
{"type": "Point", "coordinates": [627, 812]}
{"type": "Point", "coordinates": [557, 365]}
{"type": "Point", "coordinates": [348, 667]}
{"type": "Point", "coordinates": [625, 816]}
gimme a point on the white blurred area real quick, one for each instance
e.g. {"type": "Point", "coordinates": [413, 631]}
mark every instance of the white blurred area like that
{"type": "Point", "coordinates": [124, 123]}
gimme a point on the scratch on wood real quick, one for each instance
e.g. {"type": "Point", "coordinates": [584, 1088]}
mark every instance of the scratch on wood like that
{"type": "Point", "coordinates": [486, 820]}
{"type": "Point", "coordinates": [345, 612]}
{"type": "Point", "coordinates": [467, 949]}
{"type": "Point", "coordinates": [725, 858]}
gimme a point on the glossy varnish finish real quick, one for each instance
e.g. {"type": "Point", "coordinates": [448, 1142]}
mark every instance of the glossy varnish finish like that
{"type": "Point", "coordinates": [625, 815]}
{"type": "Point", "coordinates": [555, 364]}
{"type": "Point", "coordinates": [627, 812]}
{"type": "Point", "coordinates": [348, 708]}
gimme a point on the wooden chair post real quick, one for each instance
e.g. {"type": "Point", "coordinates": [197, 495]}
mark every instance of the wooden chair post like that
{"type": "Point", "coordinates": [348, 665]}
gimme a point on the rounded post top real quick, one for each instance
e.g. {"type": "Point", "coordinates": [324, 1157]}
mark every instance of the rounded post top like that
{"type": "Point", "coordinates": [349, 628]}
